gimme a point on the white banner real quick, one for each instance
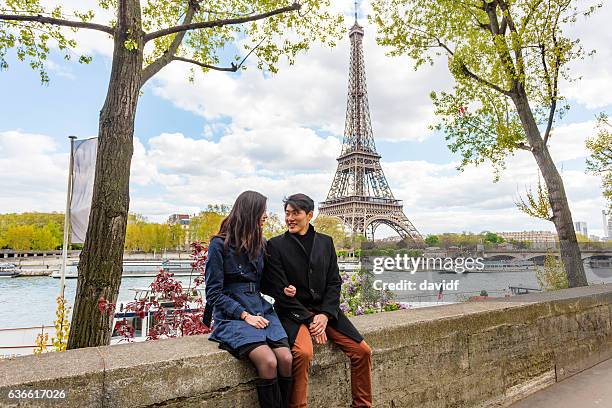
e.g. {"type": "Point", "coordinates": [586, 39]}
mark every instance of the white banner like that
{"type": "Point", "coordinates": [83, 172]}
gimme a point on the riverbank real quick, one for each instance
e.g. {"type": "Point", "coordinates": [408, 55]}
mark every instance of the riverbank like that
{"type": "Point", "coordinates": [47, 264]}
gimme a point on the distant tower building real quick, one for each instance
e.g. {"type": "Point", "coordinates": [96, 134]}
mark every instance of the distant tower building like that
{"type": "Point", "coordinates": [360, 195]}
{"type": "Point", "coordinates": [581, 227]}
{"type": "Point", "coordinates": [607, 230]}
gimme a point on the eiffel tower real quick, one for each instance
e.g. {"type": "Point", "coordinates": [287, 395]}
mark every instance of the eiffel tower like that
{"type": "Point", "coordinates": [360, 195]}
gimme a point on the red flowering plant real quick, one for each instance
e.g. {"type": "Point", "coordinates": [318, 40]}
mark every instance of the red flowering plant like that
{"type": "Point", "coordinates": [176, 312]}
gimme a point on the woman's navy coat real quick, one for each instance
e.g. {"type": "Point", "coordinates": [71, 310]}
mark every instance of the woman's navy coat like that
{"type": "Point", "coordinates": [232, 286]}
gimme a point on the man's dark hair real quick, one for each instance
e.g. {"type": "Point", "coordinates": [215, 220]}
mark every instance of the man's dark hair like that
{"type": "Point", "coordinates": [299, 201]}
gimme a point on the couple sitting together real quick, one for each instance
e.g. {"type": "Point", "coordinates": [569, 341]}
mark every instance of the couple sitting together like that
{"type": "Point", "coordinates": [299, 270]}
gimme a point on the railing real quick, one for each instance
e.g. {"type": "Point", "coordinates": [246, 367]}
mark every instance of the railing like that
{"type": "Point", "coordinates": [33, 331]}
{"type": "Point", "coordinates": [520, 290]}
{"type": "Point", "coordinates": [391, 201]}
{"type": "Point", "coordinates": [459, 296]}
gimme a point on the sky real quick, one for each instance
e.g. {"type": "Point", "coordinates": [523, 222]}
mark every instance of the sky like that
{"type": "Point", "coordinates": [204, 142]}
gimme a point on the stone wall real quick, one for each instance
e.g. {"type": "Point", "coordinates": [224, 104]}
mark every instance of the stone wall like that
{"type": "Point", "coordinates": [475, 354]}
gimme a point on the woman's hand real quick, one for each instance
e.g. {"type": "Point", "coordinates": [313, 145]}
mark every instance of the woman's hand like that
{"type": "Point", "coordinates": [290, 291]}
{"type": "Point", "coordinates": [258, 322]}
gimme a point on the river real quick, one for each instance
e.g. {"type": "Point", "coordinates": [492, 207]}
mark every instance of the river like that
{"type": "Point", "coordinates": [31, 301]}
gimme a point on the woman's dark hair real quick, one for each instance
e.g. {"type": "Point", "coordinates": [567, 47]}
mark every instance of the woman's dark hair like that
{"type": "Point", "coordinates": [242, 226]}
{"type": "Point", "coordinates": [299, 201]}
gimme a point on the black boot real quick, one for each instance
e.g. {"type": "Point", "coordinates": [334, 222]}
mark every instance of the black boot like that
{"type": "Point", "coordinates": [268, 393]}
{"type": "Point", "coordinates": [285, 383]}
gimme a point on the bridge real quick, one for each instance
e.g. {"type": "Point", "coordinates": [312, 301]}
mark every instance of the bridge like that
{"type": "Point", "coordinates": [598, 252]}
{"type": "Point", "coordinates": [538, 255]}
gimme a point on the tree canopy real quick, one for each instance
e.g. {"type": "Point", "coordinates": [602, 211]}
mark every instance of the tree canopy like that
{"type": "Point", "coordinates": [31, 231]}
{"type": "Point", "coordinates": [150, 236]}
{"type": "Point", "coordinates": [507, 59]}
{"type": "Point", "coordinates": [492, 47]}
{"type": "Point", "coordinates": [600, 160]}
{"type": "Point", "coordinates": [210, 35]}
{"type": "Point", "coordinates": [333, 227]}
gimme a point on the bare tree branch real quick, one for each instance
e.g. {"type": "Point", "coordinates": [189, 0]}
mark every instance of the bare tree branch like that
{"type": "Point", "coordinates": [515, 40]}
{"type": "Point", "coordinates": [530, 14]}
{"type": "Point", "coordinates": [441, 44]}
{"type": "Point", "coordinates": [157, 65]}
{"type": "Point", "coordinates": [504, 55]}
{"type": "Point", "coordinates": [58, 21]}
{"type": "Point", "coordinates": [170, 56]}
{"type": "Point", "coordinates": [523, 146]}
{"type": "Point", "coordinates": [555, 78]}
{"type": "Point", "coordinates": [503, 26]}
{"type": "Point", "coordinates": [232, 68]}
{"type": "Point", "coordinates": [219, 23]}
{"type": "Point", "coordinates": [466, 71]}
{"type": "Point", "coordinates": [552, 94]}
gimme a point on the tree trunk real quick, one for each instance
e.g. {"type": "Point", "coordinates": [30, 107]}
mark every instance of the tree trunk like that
{"type": "Point", "coordinates": [562, 216]}
{"type": "Point", "coordinates": [100, 265]}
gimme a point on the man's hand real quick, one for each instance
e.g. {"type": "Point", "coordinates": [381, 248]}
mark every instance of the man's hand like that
{"type": "Point", "coordinates": [318, 325]}
{"type": "Point", "coordinates": [290, 291]}
{"type": "Point", "coordinates": [321, 339]}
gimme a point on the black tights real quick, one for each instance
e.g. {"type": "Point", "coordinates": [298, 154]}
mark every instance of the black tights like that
{"type": "Point", "coordinates": [268, 360]}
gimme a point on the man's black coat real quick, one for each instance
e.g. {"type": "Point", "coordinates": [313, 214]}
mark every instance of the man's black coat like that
{"type": "Point", "coordinates": [317, 281]}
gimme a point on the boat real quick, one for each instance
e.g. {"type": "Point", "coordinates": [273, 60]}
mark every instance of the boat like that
{"type": "Point", "coordinates": [143, 269]}
{"type": "Point", "coordinates": [18, 341]}
{"type": "Point", "coordinates": [143, 323]}
{"type": "Point", "coordinates": [8, 270]}
{"type": "Point", "coordinates": [348, 266]}
{"type": "Point", "coordinates": [495, 266]}
{"type": "Point", "coordinates": [507, 266]}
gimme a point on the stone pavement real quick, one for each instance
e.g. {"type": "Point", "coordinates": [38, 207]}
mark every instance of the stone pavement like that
{"type": "Point", "coordinates": [590, 388]}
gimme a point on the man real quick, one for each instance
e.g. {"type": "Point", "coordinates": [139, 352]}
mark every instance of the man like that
{"type": "Point", "coordinates": [301, 273]}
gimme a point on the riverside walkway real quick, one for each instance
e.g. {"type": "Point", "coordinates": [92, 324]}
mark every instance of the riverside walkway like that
{"type": "Point", "coordinates": [588, 389]}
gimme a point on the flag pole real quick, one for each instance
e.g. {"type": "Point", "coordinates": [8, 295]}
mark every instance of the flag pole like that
{"type": "Point", "coordinates": [67, 218]}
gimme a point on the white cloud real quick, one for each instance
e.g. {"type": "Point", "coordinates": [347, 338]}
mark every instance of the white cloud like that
{"type": "Point", "coordinates": [592, 90]}
{"type": "Point", "coordinates": [567, 141]}
{"type": "Point", "coordinates": [88, 41]}
{"type": "Point", "coordinates": [438, 199]}
{"type": "Point", "coordinates": [32, 171]}
{"type": "Point", "coordinates": [312, 93]}
{"type": "Point", "coordinates": [265, 133]}
{"type": "Point", "coordinates": [175, 173]}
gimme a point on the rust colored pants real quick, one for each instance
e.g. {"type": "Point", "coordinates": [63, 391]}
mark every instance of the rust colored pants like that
{"type": "Point", "coordinates": [361, 366]}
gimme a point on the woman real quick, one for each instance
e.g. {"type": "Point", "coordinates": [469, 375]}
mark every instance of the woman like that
{"type": "Point", "coordinates": [245, 324]}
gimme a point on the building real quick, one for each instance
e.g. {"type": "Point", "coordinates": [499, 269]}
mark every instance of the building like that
{"type": "Point", "coordinates": [607, 225]}
{"type": "Point", "coordinates": [581, 228]}
{"type": "Point", "coordinates": [530, 236]}
{"type": "Point", "coordinates": [183, 221]}
{"type": "Point", "coordinates": [389, 239]}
